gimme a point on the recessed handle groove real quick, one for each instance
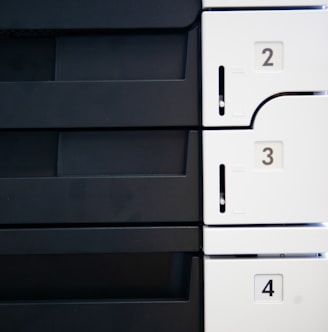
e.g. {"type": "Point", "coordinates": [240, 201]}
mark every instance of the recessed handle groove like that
{"type": "Point", "coordinates": [221, 91]}
{"type": "Point", "coordinates": [222, 189]}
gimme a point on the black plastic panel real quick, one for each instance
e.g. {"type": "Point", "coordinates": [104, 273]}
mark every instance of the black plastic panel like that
{"type": "Point", "coordinates": [27, 59]}
{"type": "Point", "coordinates": [127, 315]}
{"type": "Point", "coordinates": [97, 14]}
{"type": "Point", "coordinates": [94, 277]}
{"type": "Point", "coordinates": [128, 56]}
{"type": "Point", "coordinates": [94, 240]}
{"type": "Point", "coordinates": [115, 56]}
{"type": "Point", "coordinates": [142, 78]}
{"type": "Point", "coordinates": [161, 152]}
{"type": "Point", "coordinates": [28, 154]}
{"type": "Point", "coordinates": [100, 181]}
{"type": "Point", "coordinates": [77, 280]}
{"type": "Point", "coordinates": [88, 186]}
{"type": "Point", "coordinates": [98, 153]}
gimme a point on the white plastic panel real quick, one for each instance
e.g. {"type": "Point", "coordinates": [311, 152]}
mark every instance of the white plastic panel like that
{"type": "Point", "coordinates": [261, 53]}
{"type": "Point", "coordinates": [276, 172]}
{"type": "Point", "coordinates": [266, 240]}
{"type": "Point", "coordinates": [271, 295]}
{"type": "Point", "coordinates": [261, 3]}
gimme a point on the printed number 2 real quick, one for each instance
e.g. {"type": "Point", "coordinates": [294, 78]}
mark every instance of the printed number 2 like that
{"type": "Point", "coordinates": [269, 156]}
{"type": "Point", "coordinates": [268, 56]}
{"type": "Point", "coordinates": [268, 289]}
{"type": "Point", "coordinates": [267, 62]}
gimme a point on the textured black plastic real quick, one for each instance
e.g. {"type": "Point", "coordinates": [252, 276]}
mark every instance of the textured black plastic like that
{"type": "Point", "coordinates": [71, 64]}
{"type": "Point", "coordinates": [92, 195]}
{"type": "Point", "coordinates": [127, 315]}
{"type": "Point", "coordinates": [41, 153]}
{"type": "Point", "coordinates": [128, 79]}
{"type": "Point", "coordinates": [97, 14]}
{"type": "Point", "coordinates": [124, 152]}
{"type": "Point", "coordinates": [78, 279]}
{"type": "Point", "coordinates": [94, 277]}
{"type": "Point", "coordinates": [100, 179]}
{"type": "Point", "coordinates": [94, 240]}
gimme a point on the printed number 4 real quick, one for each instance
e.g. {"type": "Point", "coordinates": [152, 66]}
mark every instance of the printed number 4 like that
{"type": "Point", "coordinates": [268, 289]}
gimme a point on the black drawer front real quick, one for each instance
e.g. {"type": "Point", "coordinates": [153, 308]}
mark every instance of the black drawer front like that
{"type": "Point", "coordinates": [79, 280]}
{"type": "Point", "coordinates": [99, 177]}
{"type": "Point", "coordinates": [76, 79]}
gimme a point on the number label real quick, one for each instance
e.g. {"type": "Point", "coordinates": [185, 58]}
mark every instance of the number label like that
{"type": "Point", "coordinates": [268, 155]}
{"type": "Point", "coordinates": [268, 288]}
{"type": "Point", "coordinates": [268, 56]}
{"type": "Point", "coordinates": [268, 51]}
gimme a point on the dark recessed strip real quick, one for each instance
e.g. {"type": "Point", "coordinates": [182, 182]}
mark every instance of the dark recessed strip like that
{"type": "Point", "coordinates": [221, 91]}
{"type": "Point", "coordinates": [222, 189]}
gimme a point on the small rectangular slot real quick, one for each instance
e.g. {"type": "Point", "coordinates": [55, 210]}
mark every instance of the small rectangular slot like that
{"type": "Point", "coordinates": [222, 189]}
{"type": "Point", "coordinates": [221, 91]}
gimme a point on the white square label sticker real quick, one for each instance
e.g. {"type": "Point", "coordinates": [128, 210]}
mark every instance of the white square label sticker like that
{"type": "Point", "coordinates": [269, 56]}
{"type": "Point", "coordinates": [268, 288]}
{"type": "Point", "coordinates": [268, 155]}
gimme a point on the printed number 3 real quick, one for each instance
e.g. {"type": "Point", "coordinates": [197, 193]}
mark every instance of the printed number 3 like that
{"type": "Point", "coordinates": [267, 62]}
{"type": "Point", "coordinates": [269, 156]}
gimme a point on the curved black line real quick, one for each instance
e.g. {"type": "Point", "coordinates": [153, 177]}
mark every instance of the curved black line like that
{"type": "Point", "coordinates": [277, 95]}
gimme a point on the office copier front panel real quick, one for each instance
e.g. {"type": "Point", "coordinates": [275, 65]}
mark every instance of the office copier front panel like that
{"type": "Point", "coordinates": [265, 112]}
{"type": "Point", "coordinates": [163, 165]}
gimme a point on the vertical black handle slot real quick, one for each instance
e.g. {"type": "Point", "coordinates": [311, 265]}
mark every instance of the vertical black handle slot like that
{"type": "Point", "coordinates": [221, 91]}
{"type": "Point", "coordinates": [222, 189]}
